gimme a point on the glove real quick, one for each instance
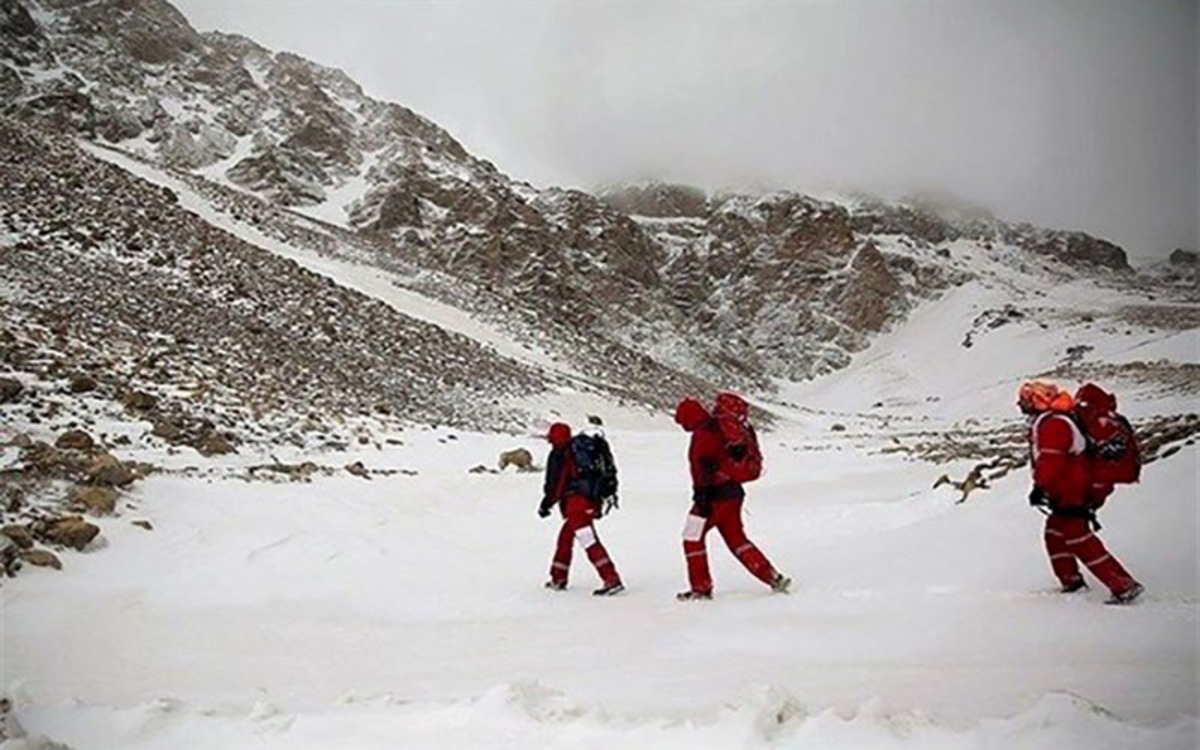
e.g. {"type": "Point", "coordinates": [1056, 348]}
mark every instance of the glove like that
{"type": "Point", "coordinates": [701, 502]}
{"type": "Point", "coordinates": [543, 510]}
{"type": "Point", "coordinates": [1037, 497]}
{"type": "Point", "coordinates": [1112, 450]}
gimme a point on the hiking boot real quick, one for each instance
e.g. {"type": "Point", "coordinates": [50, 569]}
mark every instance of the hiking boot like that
{"type": "Point", "coordinates": [1127, 596]}
{"type": "Point", "coordinates": [556, 585]}
{"type": "Point", "coordinates": [694, 596]}
{"type": "Point", "coordinates": [1077, 585]}
{"type": "Point", "coordinates": [609, 589]}
{"type": "Point", "coordinates": [780, 583]}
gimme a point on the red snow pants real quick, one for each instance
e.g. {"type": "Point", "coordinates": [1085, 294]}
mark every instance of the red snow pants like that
{"type": "Point", "coordinates": [1069, 539]}
{"type": "Point", "coordinates": [577, 526]}
{"type": "Point", "coordinates": [726, 517]}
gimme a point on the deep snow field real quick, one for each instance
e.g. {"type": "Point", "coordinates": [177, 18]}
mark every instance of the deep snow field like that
{"type": "Point", "coordinates": [408, 611]}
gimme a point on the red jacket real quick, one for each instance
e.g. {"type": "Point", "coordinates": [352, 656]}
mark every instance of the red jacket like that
{"type": "Point", "coordinates": [704, 454]}
{"type": "Point", "coordinates": [1060, 463]}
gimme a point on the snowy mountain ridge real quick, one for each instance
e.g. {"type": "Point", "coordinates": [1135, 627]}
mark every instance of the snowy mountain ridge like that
{"type": "Point", "coordinates": [746, 290]}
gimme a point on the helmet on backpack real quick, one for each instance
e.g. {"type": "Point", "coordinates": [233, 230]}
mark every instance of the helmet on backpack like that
{"type": "Point", "coordinates": [731, 405]}
{"type": "Point", "coordinates": [1091, 398]}
{"type": "Point", "coordinates": [1036, 396]}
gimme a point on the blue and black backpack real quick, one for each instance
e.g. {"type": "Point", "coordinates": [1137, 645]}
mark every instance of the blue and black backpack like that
{"type": "Point", "coordinates": [595, 470]}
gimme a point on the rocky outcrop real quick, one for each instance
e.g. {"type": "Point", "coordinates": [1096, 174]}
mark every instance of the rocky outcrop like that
{"type": "Point", "coordinates": [10, 389]}
{"type": "Point", "coordinates": [518, 457]}
{"type": "Point", "coordinates": [1183, 258]}
{"type": "Point", "coordinates": [20, 535]}
{"type": "Point", "coordinates": [75, 440]}
{"type": "Point", "coordinates": [658, 200]}
{"type": "Point", "coordinates": [71, 531]}
{"type": "Point", "coordinates": [42, 558]}
{"type": "Point", "coordinates": [97, 501]}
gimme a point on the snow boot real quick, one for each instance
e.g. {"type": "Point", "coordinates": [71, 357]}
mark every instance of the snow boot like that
{"type": "Point", "coordinates": [1128, 596]}
{"type": "Point", "coordinates": [1077, 585]}
{"type": "Point", "coordinates": [609, 589]}
{"type": "Point", "coordinates": [694, 596]}
{"type": "Point", "coordinates": [780, 583]}
{"type": "Point", "coordinates": [556, 585]}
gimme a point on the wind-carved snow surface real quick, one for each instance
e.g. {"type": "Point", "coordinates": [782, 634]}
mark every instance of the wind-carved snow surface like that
{"type": "Point", "coordinates": [408, 610]}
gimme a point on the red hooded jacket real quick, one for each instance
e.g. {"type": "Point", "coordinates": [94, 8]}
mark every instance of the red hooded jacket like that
{"type": "Point", "coordinates": [559, 466]}
{"type": "Point", "coordinates": [704, 454]}
{"type": "Point", "coordinates": [1060, 462]}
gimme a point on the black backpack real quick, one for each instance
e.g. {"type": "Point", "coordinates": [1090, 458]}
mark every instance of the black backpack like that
{"type": "Point", "coordinates": [595, 471]}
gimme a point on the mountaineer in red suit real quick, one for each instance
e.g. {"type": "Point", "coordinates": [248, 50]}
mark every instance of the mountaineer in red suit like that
{"type": "Point", "coordinates": [565, 488]}
{"type": "Point", "coordinates": [716, 503]}
{"type": "Point", "coordinates": [1063, 482]}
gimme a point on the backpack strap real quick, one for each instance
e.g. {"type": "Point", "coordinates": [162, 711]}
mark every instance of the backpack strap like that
{"type": "Point", "coordinates": [1079, 441]}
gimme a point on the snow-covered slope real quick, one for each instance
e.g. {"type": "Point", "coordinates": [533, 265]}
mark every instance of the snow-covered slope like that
{"type": "Point", "coordinates": [408, 608]}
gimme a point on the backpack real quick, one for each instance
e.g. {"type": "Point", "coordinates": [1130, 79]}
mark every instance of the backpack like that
{"type": "Point", "coordinates": [1112, 447]}
{"type": "Point", "coordinates": [741, 460]}
{"type": "Point", "coordinates": [595, 470]}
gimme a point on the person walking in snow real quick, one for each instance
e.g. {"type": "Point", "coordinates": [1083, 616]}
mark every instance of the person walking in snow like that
{"type": "Point", "coordinates": [1063, 482]}
{"type": "Point", "coordinates": [580, 478]}
{"type": "Point", "coordinates": [717, 496]}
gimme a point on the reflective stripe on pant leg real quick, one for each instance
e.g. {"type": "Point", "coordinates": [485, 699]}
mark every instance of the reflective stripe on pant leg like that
{"type": "Point", "coordinates": [586, 536]}
{"type": "Point", "coordinates": [562, 553]}
{"type": "Point", "coordinates": [693, 530]}
{"type": "Point", "coordinates": [1102, 564]}
{"type": "Point", "coordinates": [604, 565]}
{"type": "Point", "coordinates": [727, 516]}
{"type": "Point", "coordinates": [1062, 559]}
{"type": "Point", "coordinates": [695, 554]}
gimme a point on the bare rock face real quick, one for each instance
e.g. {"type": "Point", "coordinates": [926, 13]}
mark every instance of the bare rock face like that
{"type": "Point", "coordinates": [42, 558]}
{"type": "Point", "coordinates": [106, 470]}
{"type": "Point", "coordinates": [518, 457]}
{"type": "Point", "coordinates": [43, 460]}
{"type": "Point", "coordinates": [71, 531]}
{"type": "Point", "coordinates": [1072, 247]}
{"type": "Point", "coordinates": [140, 401]}
{"type": "Point", "coordinates": [215, 444]}
{"type": "Point", "coordinates": [20, 535]}
{"type": "Point", "coordinates": [1185, 258]}
{"type": "Point", "coordinates": [82, 384]}
{"type": "Point", "coordinates": [76, 440]}
{"type": "Point", "coordinates": [97, 501]}
{"type": "Point", "coordinates": [10, 389]}
{"type": "Point", "coordinates": [658, 200]}
{"type": "Point", "coordinates": [10, 556]}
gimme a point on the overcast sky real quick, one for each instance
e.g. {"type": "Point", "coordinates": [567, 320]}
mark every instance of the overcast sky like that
{"type": "Point", "coordinates": [1069, 113]}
